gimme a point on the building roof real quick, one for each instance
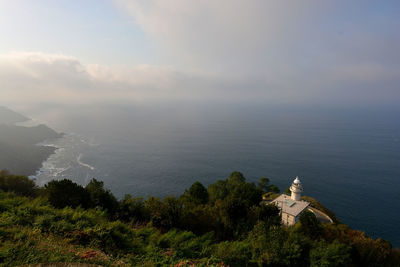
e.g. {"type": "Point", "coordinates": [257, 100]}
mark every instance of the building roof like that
{"type": "Point", "coordinates": [290, 206]}
{"type": "Point", "coordinates": [297, 180]}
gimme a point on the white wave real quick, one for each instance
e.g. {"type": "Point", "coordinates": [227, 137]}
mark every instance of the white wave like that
{"type": "Point", "coordinates": [47, 145]}
{"type": "Point", "coordinates": [30, 123]}
{"type": "Point", "coordinates": [92, 143]}
{"type": "Point", "coordinates": [89, 142]}
{"type": "Point", "coordinates": [87, 179]}
{"type": "Point", "coordinates": [58, 171]}
{"type": "Point", "coordinates": [78, 159]}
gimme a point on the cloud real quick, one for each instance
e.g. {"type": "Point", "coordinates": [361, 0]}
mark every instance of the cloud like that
{"type": "Point", "coordinates": [271, 52]}
{"type": "Point", "coordinates": [41, 77]}
{"type": "Point", "coordinates": [47, 78]}
{"type": "Point", "coordinates": [36, 78]}
{"type": "Point", "coordinates": [223, 34]}
{"type": "Point", "coordinates": [306, 52]}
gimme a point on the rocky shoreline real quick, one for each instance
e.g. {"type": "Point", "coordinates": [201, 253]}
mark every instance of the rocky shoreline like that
{"type": "Point", "coordinates": [20, 152]}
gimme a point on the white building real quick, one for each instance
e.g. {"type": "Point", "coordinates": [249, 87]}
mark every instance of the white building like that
{"type": "Point", "coordinates": [291, 207]}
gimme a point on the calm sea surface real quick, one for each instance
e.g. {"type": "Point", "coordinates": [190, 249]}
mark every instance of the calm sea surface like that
{"type": "Point", "coordinates": [349, 161]}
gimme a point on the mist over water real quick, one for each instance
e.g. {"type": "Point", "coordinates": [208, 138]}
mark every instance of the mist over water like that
{"type": "Point", "coordinates": [348, 160]}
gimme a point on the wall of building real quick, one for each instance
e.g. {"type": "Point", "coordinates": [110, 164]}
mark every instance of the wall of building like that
{"type": "Point", "coordinates": [297, 218]}
{"type": "Point", "coordinates": [288, 219]}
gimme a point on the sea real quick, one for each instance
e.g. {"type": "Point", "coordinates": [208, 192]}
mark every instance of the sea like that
{"type": "Point", "coordinates": [348, 159]}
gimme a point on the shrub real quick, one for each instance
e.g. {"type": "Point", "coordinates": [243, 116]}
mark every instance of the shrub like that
{"type": "Point", "coordinates": [329, 255]}
{"type": "Point", "coordinates": [235, 253]}
{"type": "Point", "coordinates": [18, 184]}
{"type": "Point", "coordinates": [67, 193]}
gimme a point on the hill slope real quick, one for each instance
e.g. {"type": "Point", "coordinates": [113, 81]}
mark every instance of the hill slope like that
{"type": "Point", "coordinates": [18, 145]}
{"type": "Point", "coordinates": [222, 225]}
{"type": "Point", "coordinates": [7, 116]}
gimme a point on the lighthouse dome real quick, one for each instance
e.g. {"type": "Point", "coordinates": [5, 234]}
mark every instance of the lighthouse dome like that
{"type": "Point", "coordinates": [296, 188]}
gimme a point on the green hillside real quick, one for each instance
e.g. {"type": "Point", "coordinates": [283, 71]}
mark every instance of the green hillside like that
{"type": "Point", "coordinates": [222, 225]}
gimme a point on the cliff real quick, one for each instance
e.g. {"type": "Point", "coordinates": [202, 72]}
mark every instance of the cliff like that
{"type": "Point", "coordinates": [18, 145]}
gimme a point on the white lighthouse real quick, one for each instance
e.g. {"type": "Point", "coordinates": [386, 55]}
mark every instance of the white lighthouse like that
{"type": "Point", "coordinates": [296, 189]}
{"type": "Point", "coordinates": [291, 207]}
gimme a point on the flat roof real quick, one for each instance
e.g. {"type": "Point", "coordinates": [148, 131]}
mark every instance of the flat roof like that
{"type": "Point", "coordinates": [290, 206]}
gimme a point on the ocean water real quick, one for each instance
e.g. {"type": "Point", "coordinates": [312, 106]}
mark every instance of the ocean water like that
{"type": "Point", "coordinates": [348, 160]}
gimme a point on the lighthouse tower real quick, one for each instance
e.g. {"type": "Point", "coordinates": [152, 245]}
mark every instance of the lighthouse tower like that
{"type": "Point", "coordinates": [296, 189]}
{"type": "Point", "coordinates": [291, 207]}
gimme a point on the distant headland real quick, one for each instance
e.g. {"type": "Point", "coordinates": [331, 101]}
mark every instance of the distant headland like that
{"type": "Point", "coordinates": [20, 152]}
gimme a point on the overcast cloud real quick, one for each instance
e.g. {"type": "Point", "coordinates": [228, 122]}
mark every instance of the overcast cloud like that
{"type": "Point", "coordinates": [271, 52]}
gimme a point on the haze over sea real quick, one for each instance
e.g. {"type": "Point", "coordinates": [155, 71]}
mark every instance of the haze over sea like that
{"type": "Point", "coordinates": [348, 160]}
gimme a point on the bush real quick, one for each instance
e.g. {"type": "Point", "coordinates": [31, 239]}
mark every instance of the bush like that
{"type": "Point", "coordinates": [67, 193]}
{"type": "Point", "coordinates": [197, 194]}
{"type": "Point", "coordinates": [235, 253]}
{"type": "Point", "coordinates": [330, 255]}
{"type": "Point", "coordinates": [18, 184]}
{"type": "Point", "coordinates": [232, 229]}
{"type": "Point", "coordinates": [132, 210]}
{"type": "Point", "coordinates": [309, 225]}
{"type": "Point", "coordinates": [100, 197]}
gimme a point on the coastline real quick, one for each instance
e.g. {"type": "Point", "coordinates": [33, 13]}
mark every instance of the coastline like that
{"type": "Point", "coordinates": [22, 143]}
{"type": "Point", "coordinates": [43, 162]}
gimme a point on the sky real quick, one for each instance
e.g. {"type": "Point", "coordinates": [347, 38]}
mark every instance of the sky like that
{"type": "Point", "coordinates": [268, 52]}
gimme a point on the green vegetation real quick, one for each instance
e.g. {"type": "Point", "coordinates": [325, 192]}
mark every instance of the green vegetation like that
{"type": "Point", "coordinates": [315, 204]}
{"type": "Point", "coordinates": [221, 225]}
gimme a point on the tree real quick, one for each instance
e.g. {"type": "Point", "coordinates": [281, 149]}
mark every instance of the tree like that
{"type": "Point", "coordinates": [235, 211]}
{"type": "Point", "coordinates": [67, 193]}
{"type": "Point", "coordinates": [248, 193]}
{"type": "Point", "coordinates": [217, 191]}
{"type": "Point", "coordinates": [100, 197]}
{"type": "Point", "coordinates": [199, 219]}
{"type": "Point", "coordinates": [132, 209]}
{"type": "Point", "coordinates": [236, 177]}
{"type": "Point", "coordinates": [164, 214]}
{"type": "Point", "coordinates": [287, 191]}
{"type": "Point", "coordinates": [263, 184]}
{"type": "Point", "coordinates": [330, 255]}
{"type": "Point", "coordinates": [310, 226]}
{"type": "Point", "coordinates": [280, 249]}
{"type": "Point", "coordinates": [273, 189]}
{"type": "Point", "coordinates": [369, 252]}
{"type": "Point", "coordinates": [173, 210]}
{"type": "Point", "coordinates": [18, 184]}
{"type": "Point", "coordinates": [268, 214]}
{"type": "Point", "coordinates": [234, 253]}
{"type": "Point", "coordinates": [198, 194]}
